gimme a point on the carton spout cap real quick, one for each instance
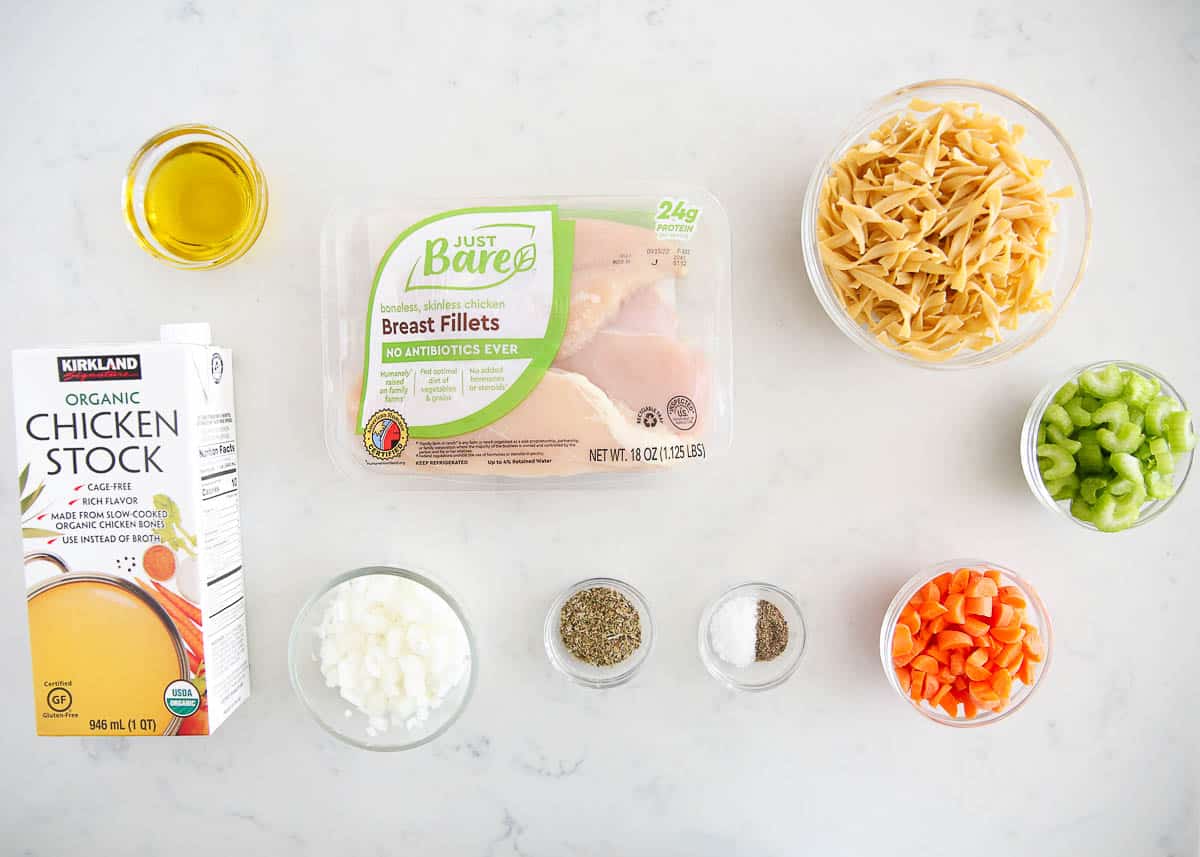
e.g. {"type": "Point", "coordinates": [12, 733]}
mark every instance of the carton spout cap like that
{"type": "Point", "coordinates": [187, 333]}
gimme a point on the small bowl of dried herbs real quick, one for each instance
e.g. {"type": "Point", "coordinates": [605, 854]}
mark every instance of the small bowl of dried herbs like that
{"type": "Point", "coordinates": [598, 632]}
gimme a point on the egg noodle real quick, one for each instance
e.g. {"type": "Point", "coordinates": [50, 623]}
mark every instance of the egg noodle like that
{"type": "Point", "coordinates": [936, 231]}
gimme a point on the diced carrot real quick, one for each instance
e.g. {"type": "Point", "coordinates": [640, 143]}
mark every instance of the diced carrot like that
{"type": "Point", "coordinates": [930, 610]}
{"type": "Point", "coordinates": [1011, 634]}
{"type": "Point", "coordinates": [902, 641]}
{"type": "Point", "coordinates": [931, 687]}
{"type": "Point", "coordinates": [1002, 683]}
{"type": "Point", "coordinates": [916, 686]}
{"type": "Point", "coordinates": [943, 582]}
{"type": "Point", "coordinates": [942, 691]}
{"type": "Point", "coordinates": [905, 678]}
{"type": "Point", "coordinates": [969, 709]}
{"type": "Point", "coordinates": [983, 588]}
{"type": "Point", "coordinates": [1015, 666]}
{"type": "Point", "coordinates": [1026, 672]}
{"type": "Point", "coordinates": [1003, 616]}
{"type": "Point", "coordinates": [1008, 655]}
{"type": "Point", "coordinates": [979, 606]}
{"type": "Point", "coordinates": [954, 640]}
{"type": "Point", "coordinates": [949, 704]}
{"type": "Point", "coordinates": [978, 657]}
{"type": "Point", "coordinates": [975, 627]}
{"type": "Point", "coordinates": [957, 661]}
{"type": "Point", "coordinates": [931, 592]}
{"type": "Point", "coordinates": [942, 657]}
{"type": "Point", "coordinates": [904, 660]}
{"type": "Point", "coordinates": [992, 575]}
{"type": "Point", "coordinates": [1012, 596]}
{"type": "Point", "coordinates": [945, 676]}
{"type": "Point", "coordinates": [1033, 646]}
{"type": "Point", "coordinates": [956, 607]}
{"type": "Point", "coordinates": [976, 673]}
{"type": "Point", "coordinates": [960, 682]}
{"type": "Point", "coordinates": [925, 664]}
{"type": "Point", "coordinates": [910, 619]}
{"type": "Point", "coordinates": [959, 580]}
{"type": "Point", "coordinates": [936, 626]}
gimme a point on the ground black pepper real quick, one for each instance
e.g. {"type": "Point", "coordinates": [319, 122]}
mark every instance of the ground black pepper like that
{"type": "Point", "coordinates": [771, 632]}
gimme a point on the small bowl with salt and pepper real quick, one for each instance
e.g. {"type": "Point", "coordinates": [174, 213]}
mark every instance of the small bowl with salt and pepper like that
{"type": "Point", "coordinates": [599, 632]}
{"type": "Point", "coordinates": [752, 636]}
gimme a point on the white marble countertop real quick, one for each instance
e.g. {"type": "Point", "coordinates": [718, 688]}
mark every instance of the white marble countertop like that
{"type": "Point", "coordinates": [847, 473]}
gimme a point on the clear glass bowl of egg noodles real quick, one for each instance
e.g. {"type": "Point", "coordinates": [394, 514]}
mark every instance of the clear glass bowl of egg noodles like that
{"type": "Point", "coordinates": [1068, 245]}
{"type": "Point", "coordinates": [333, 712]}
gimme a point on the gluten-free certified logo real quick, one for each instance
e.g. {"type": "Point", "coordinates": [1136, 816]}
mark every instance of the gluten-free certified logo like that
{"type": "Point", "coordinates": [59, 699]}
{"type": "Point", "coordinates": [385, 435]}
{"type": "Point", "coordinates": [681, 411]}
{"type": "Point", "coordinates": [182, 698]}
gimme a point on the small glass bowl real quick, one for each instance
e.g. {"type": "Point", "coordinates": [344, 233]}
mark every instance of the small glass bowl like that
{"type": "Point", "coordinates": [1035, 614]}
{"type": "Point", "coordinates": [582, 672]}
{"type": "Point", "coordinates": [1073, 223]}
{"type": "Point", "coordinates": [137, 178]}
{"type": "Point", "coordinates": [1029, 460]}
{"type": "Point", "coordinates": [759, 675]}
{"type": "Point", "coordinates": [326, 704]}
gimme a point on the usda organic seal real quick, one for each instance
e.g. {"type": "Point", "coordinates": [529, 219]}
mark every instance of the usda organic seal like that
{"type": "Point", "coordinates": [182, 698]}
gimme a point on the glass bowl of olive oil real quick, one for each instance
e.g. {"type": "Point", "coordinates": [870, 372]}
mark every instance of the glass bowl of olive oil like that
{"type": "Point", "coordinates": [194, 197]}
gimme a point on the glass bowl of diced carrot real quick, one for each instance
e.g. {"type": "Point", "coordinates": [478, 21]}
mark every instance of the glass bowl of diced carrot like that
{"type": "Point", "coordinates": [966, 643]}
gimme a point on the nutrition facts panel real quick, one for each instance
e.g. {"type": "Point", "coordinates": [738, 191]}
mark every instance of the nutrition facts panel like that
{"type": "Point", "coordinates": [219, 504]}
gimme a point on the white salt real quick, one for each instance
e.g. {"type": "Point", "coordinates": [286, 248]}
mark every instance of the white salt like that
{"type": "Point", "coordinates": [734, 629]}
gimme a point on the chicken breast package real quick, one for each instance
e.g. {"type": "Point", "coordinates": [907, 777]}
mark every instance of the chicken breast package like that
{"type": "Point", "coordinates": [467, 341]}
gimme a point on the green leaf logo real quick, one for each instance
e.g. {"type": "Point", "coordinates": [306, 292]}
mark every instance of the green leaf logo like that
{"type": "Point", "coordinates": [525, 258]}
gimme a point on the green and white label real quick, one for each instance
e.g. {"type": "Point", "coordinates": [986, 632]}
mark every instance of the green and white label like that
{"type": "Point", "coordinates": [181, 698]}
{"type": "Point", "coordinates": [466, 313]}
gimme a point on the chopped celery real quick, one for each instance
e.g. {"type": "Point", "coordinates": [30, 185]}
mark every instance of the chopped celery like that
{"type": "Point", "coordinates": [1091, 458]}
{"type": "Point", "coordinates": [1138, 417]}
{"type": "Point", "coordinates": [1082, 509]}
{"type": "Point", "coordinates": [1041, 433]}
{"type": "Point", "coordinates": [1158, 486]}
{"type": "Point", "coordinates": [1127, 467]}
{"type": "Point", "coordinates": [1110, 515]}
{"type": "Point", "coordinates": [1156, 413]}
{"type": "Point", "coordinates": [1061, 462]}
{"type": "Point", "coordinates": [1178, 429]}
{"type": "Point", "coordinates": [1105, 384]}
{"type": "Point", "coordinates": [1139, 390]}
{"type": "Point", "coordinates": [1119, 486]}
{"type": "Point", "coordinates": [1056, 437]}
{"type": "Point", "coordinates": [1091, 486]}
{"type": "Point", "coordinates": [1111, 413]}
{"type": "Point", "coordinates": [1164, 461]}
{"type": "Point", "coordinates": [1089, 403]}
{"type": "Point", "coordinates": [1127, 438]}
{"type": "Point", "coordinates": [1065, 393]}
{"type": "Point", "coordinates": [1079, 415]}
{"type": "Point", "coordinates": [1065, 488]}
{"type": "Point", "coordinates": [1056, 415]}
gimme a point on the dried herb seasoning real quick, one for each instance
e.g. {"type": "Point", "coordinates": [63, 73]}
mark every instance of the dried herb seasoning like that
{"type": "Point", "coordinates": [600, 626]}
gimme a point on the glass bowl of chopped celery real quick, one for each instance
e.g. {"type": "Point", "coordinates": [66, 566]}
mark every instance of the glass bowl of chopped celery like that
{"type": "Point", "coordinates": [966, 642]}
{"type": "Point", "coordinates": [1108, 446]}
{"type": "Point", "coordinates": [891, 290]}
{"type": "Point", "coordinates": [383, 658]}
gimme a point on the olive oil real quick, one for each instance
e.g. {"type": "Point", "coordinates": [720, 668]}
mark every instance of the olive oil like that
{"type": "Point", "coordinates": [200, 200]}
{"type": "Point", "coordinates": [194, 197]}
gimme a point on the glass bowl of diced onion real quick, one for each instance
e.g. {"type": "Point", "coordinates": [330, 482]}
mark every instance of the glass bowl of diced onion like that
{"type": "Point", "coordinates": [1069, 244]}
{"type": "Point", "coordinates": [1036, 616]}
{"type": "Point", "coordinates": [422, 601]}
